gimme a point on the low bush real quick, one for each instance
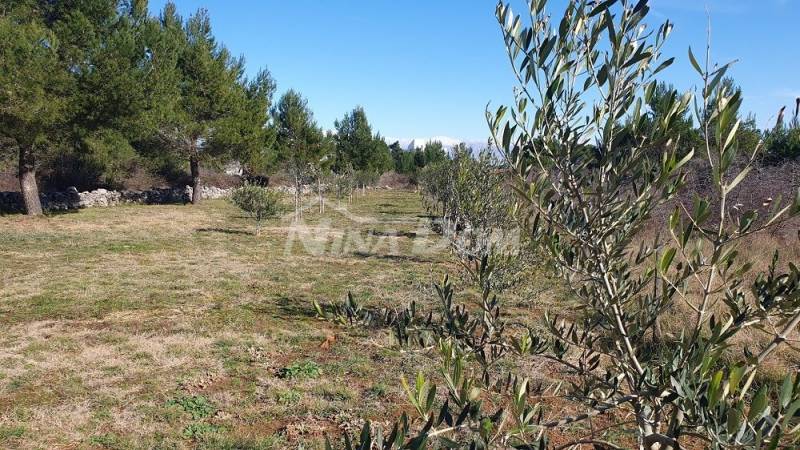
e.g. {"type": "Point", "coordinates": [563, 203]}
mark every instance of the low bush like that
{"type": "Point", "coordinates": [258, 202]}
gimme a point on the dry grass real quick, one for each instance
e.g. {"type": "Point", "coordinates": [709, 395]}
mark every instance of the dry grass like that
{"type": "Point", "coordinates": [110, 317]}
{"type": "Point", "coordinates": [108, 314]}
{"type": "Point", "coordinates": [759, 249]}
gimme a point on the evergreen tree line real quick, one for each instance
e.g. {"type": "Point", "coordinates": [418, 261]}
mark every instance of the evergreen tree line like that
{"type": "Point", "coordinates": [411, 161]}
{"type": "Point", "coordinates": [95, 89]}
{"type": "Point", "coordinates": [780, 143]}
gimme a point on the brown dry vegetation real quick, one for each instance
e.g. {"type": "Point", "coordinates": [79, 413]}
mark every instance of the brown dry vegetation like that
{"type": "Point", "coordinates": [759, 249]}
{"type": "Point", "coordinates": [764, 184]}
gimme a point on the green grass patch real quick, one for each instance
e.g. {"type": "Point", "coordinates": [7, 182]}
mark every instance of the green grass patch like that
{"type": "Point", "coordinates": [197, 406]}
{"type": "Point", "coordinates": [305, 369]}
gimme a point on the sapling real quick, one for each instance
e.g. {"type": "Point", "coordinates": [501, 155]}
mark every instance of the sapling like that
{"type": "Point", "coordinates": [258, 202]}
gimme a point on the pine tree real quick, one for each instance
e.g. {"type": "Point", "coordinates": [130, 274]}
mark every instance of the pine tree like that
{"type": "Point", "coordinates": [380, 157]}
{"type": "Point", "coordinates": [258, 151]}
{"type": "Point", "coordinates": [243, 134]}
{"type": "Point", "coordinates": [353, 139]}
{"type": "Point", "coordinates": [397, 156]}
{"type": "Point", "coordinates": [434, 152]}
{"type": "Point", "coordinates": [300, 143]}
{"type": "Point", "coordinates": [357, 146]}
{"type": "Point", "coordinates": [33, 87]}
{"type": "Point", "coordinates": [211, 99]}
{"type": "Point", "coordinates": [126, 72]}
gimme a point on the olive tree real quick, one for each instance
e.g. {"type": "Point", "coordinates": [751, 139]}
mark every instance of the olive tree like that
{"type": "Point", "coordinates": [584, 198]}
{"type": "Point", "coordinates": [436, 183]}
{"type": "Point", "coordinates": [301, 144]}
{"type": "Point", "coordinates": [258, 202]}
{"type": "Point", "coordinates": [587, 198]}
{"type": "Point", "coordinates": [476, 213]}
{"type": "Point", "coordinates": [344, 183]}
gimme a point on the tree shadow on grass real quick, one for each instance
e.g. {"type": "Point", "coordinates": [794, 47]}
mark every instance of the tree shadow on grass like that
{"type": "Point", "coordinates": [411, 258]}
{"type": "Point", "coordinates": [62, 212]}
{"type": "Point", "coordinates": [283, 307]}
{"type": "Point", "coordinates": [47, 213]}
{"type": "Point", "coordinates": [224, 231]}
{"type": "Point", "coordinates": [406, 234]}
{"type": "Point", "coordinates": [294, 307]}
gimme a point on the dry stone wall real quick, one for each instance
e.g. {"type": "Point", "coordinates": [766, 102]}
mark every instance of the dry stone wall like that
{"type": "Point", "coordinates": [11, 202]}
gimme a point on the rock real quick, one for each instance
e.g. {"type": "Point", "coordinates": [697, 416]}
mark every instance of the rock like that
{"type": "Point", "coordinates": [11, 202]}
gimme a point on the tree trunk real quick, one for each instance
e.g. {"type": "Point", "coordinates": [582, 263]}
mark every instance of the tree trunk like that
{"type": "Point", "coordinates": [296, 198]}
{"type": "Point", "coordinates": [658, 332]}
{"type": "Point", "coordinates": [321, 200]}
{"type": "Point", "coordinates": [197, 195]}
{"type": "Point", "coordinates": [27, 182]}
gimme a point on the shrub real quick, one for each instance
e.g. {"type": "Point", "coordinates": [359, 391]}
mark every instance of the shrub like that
{"type": "Point", "coordinates": [783, 145]}
{"type": "Point", "coordinates": [476, 214]}
{"type": "Point", "coordinates": [258, 202]}
{"type": "Point", "coordinates": [783, 142]}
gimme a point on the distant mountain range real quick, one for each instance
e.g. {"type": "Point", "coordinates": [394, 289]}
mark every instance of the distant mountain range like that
{"type": "Point", "coordinates": [447, 142]}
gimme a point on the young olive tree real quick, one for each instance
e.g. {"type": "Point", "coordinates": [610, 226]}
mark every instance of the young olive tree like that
{"type": "Point", "coordinates": [344, 183]}
{"type": "Point", "coordinates": [320, 172]}
{"type": "Point", "coordinates": [258, 202]}
{"type": "Point", "coordinates": [364, 178]}
{"type": "Point", "coordinates": [584, 198]}
{"type": "Point", "coordinates": [476, 210]}
{"type": "Point", "coordinates": [437, 183]}
{"type": "Point", "coordinates": [587, 198]}
{"type": "Point", "coordinates": [300, 142]}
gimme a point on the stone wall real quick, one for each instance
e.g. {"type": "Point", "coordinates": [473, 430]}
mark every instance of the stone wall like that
{"type": "Point", "coordinates": [11, 202]}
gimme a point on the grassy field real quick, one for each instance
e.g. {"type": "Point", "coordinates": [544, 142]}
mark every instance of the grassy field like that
{"type": "Point", "coordinates": [177, 327]}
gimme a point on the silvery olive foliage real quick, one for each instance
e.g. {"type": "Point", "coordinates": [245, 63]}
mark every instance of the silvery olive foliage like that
{"type": "Point", "coordinates": [471, 196]}
{"type": "Point", "coordinates": [585, 187]}
{"type": "Point", "coordinates": [344, 183]}
{"type": "Point", "coordinates": [258, 202]}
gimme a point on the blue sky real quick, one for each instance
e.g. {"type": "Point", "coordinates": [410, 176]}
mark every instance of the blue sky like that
{"type": "Point", "coordinates": [423, 69]}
